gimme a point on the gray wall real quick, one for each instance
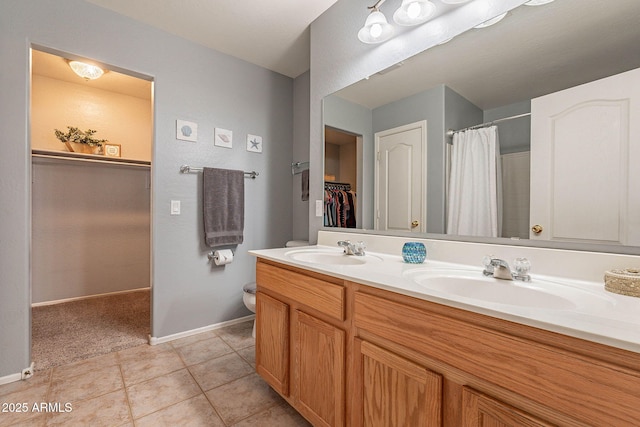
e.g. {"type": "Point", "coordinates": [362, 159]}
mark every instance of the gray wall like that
{"type": "Point", "coordinates": [339, 59]}
{"type": "Point", "coordinates": [300, 154]}
{"type": "Point", "coordinates": [191, 83]}
{"type": "Point", "coordinates": [514, 135]}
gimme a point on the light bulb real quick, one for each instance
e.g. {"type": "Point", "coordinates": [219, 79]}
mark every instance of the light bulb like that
{"type": "Point", "coordinates": [375, 31]}
{"type": "Point", "coordinates": [413, 11]}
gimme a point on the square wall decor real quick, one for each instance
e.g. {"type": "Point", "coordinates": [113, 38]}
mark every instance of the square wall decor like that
{"type": "Point", "coordinates": [186, 131]}
{"type": "Point", "coordinates": [223, 138]}
{"type": "Point", "coordinates": [254, 143]}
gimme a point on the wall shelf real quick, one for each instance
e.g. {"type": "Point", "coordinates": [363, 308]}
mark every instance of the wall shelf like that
{"type": "Point", "coordinates": [95, 158]}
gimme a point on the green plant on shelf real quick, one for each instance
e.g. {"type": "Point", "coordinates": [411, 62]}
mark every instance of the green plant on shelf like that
{"type": "Point", "coordinates": [78, 136]}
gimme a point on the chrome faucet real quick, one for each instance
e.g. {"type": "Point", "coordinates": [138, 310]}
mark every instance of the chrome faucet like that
{"type": "Point", "coordinates": [352, 248]}
{"type": "Point", "coordinates": [500, 269]}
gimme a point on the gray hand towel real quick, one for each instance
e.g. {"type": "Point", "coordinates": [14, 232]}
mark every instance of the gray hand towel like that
{"type": "Point", "coordinates": [223, 206]}
{"type": "Point", "coordinates": [305, 185]}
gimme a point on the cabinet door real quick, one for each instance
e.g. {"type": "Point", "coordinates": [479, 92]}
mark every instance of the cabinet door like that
{"type": "Point", "coordinates": [272, 342]}
{"type": "Point", "coordinates": [479, 410]}
{"type": "Point", "coordinates": [318, 387]}
{"type": "Point", "coordinates": [398, 392]}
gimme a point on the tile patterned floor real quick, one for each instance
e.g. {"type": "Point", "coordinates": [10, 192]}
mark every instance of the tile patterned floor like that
{"type": "Point", "coordinates": [207, 379]}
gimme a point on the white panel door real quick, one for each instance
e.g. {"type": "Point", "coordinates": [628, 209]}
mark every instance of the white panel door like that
{"type": "Point", "coordinates": [400, 178]}
{"type": "Point", "coordinates": [585, 142]}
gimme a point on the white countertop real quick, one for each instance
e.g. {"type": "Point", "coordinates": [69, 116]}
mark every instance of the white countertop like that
{"type": "Point", "coordinates": [598, 315]}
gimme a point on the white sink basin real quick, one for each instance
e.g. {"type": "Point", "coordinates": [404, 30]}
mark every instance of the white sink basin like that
{"type": "Point", "coordinates": [330, 257]}
{"type": "Point", "coordinates": [472, 285]}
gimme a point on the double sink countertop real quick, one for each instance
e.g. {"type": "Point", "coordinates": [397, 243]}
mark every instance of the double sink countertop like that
{"type": "Point", "coordinates": [578, 308]}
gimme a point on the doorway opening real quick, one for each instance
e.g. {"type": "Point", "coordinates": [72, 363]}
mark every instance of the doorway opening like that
{"type": "Point", "coordinates": [91, 144]}
{"type": "Point", "coordinates": [341, 172]}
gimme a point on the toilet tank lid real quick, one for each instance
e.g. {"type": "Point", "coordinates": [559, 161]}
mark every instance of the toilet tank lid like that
{"type": "Point", "coordinates": [294, 243]}
{"type": "Point", "coordinates": [250, 288]}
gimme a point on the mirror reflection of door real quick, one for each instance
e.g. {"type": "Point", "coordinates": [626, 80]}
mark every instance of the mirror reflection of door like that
{"type": "Point", "coordinates": [341, 178]}
{"type": "Point", "coordinates": [401, 178]}
{"type": "Point", "coordinates": [587, 130]}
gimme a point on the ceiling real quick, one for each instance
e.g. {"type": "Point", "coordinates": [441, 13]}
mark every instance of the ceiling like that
{"type": "Point", "coordinates": [273, 34]}
{"type": "Point", "coordinates": [579, 40]}
{"type": "Point", "coordinates": [55, 67]}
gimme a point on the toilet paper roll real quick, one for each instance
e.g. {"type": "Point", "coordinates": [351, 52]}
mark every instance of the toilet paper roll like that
{"type": "Point", "coordinates": [223, 257]}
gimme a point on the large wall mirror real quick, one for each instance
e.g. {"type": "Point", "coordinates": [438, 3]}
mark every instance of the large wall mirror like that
{"type": "Point", "coordinates": [481, 76]}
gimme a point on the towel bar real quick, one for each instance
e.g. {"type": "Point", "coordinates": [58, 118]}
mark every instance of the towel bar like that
{"type": "Point", "coordinates": [190, 169]}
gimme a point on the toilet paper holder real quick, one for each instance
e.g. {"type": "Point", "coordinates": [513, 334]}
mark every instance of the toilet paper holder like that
{"type": "Point", "coordinates": [211, 255]}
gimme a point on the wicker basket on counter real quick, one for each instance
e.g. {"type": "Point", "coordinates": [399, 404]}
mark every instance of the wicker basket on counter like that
{"type": "Point", "coordinates": [624, 282]}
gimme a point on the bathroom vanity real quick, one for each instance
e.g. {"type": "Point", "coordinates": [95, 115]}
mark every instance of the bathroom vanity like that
{"type": "Point", "coordinates": [355, 343]}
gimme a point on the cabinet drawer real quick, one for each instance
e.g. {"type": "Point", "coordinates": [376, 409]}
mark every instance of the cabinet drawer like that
{"type": "Point", "coordinates": [325, 297]}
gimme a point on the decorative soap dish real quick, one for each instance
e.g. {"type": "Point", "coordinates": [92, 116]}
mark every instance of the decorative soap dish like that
{"type": "Point", "coordinates": [623, 282]}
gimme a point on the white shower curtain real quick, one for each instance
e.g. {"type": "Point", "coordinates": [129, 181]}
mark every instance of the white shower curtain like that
{"type": "Point", "coordinates": [474, 201]}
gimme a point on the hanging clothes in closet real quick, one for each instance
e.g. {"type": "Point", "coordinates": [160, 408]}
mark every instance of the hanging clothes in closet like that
{"type": "Point", "coordinates": [339, 205]}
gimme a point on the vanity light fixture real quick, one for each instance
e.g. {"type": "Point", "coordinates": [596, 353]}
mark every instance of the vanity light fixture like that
{"type": "Point", "coordinates": [491, 21]}
{"type": "Point", "coordinates": [86, 71]}
{"type": "Point", "coordinates": [454, 1]}
{"type": "Point", "coordinates": [414, 12]}
{"type": "Point", "coordinates": [376, 28]}
{"type": "Point", "coordinates": [537, 2]}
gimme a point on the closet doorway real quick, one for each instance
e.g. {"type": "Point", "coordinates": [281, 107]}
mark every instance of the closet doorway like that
{"type": "Point", "coordinates": [342, 172]}
{"type": "Point", "coordinates": [91, 210]}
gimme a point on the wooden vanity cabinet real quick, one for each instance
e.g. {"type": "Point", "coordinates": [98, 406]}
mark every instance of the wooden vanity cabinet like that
{"type": "Point", "coordinates": [343, 353]}
{"type": "Point", "coordinates": [500, 373]}
{"type": "Point", "coordinates": [301, 340]}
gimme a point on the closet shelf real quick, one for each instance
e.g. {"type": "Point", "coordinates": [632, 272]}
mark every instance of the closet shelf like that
{"type": "Point", "coordinates": [65, 155]}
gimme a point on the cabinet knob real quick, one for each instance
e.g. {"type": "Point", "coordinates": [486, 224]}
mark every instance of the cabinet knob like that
{"type": "Point", "coordinates": [537, 229]}
{"type": "Point", "coordinates": [414, 223]}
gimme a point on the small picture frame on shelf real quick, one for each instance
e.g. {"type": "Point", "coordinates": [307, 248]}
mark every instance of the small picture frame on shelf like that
{"type": "Point", "coordinates": [112, 150]}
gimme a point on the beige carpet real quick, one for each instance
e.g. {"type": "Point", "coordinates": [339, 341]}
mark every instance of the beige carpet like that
{"type": "Point", "coordinates": [77, 330]}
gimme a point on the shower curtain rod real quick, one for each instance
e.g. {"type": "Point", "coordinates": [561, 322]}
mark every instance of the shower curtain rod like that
{"type": "Point", "coordinates": [189, 169]}
{"type": "Point", "coordinates": [451, 132]}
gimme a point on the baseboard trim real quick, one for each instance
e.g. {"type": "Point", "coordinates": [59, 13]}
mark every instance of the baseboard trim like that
{"type": "Point", "coordinates": [60, 301]}
{"type": "Point", "coordinates": [10, 378]}
{"type": "Point", "coordinates": [161, 340]}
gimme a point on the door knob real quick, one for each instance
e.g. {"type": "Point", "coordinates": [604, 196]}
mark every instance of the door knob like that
{"type": "Point", "coordinates": [537, 229]}
{"type": "Point", "coordinates": [414, 224]}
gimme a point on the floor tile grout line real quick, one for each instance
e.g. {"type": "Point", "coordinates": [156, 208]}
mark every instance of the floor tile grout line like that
{"type": "Point", "coordinates": [204, 393]}
{"type": "Point", "coordinates": [126, 394]}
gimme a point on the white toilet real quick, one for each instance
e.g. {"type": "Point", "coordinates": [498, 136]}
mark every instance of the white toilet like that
{"type": "Point", "coordinates": [249, 290]}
